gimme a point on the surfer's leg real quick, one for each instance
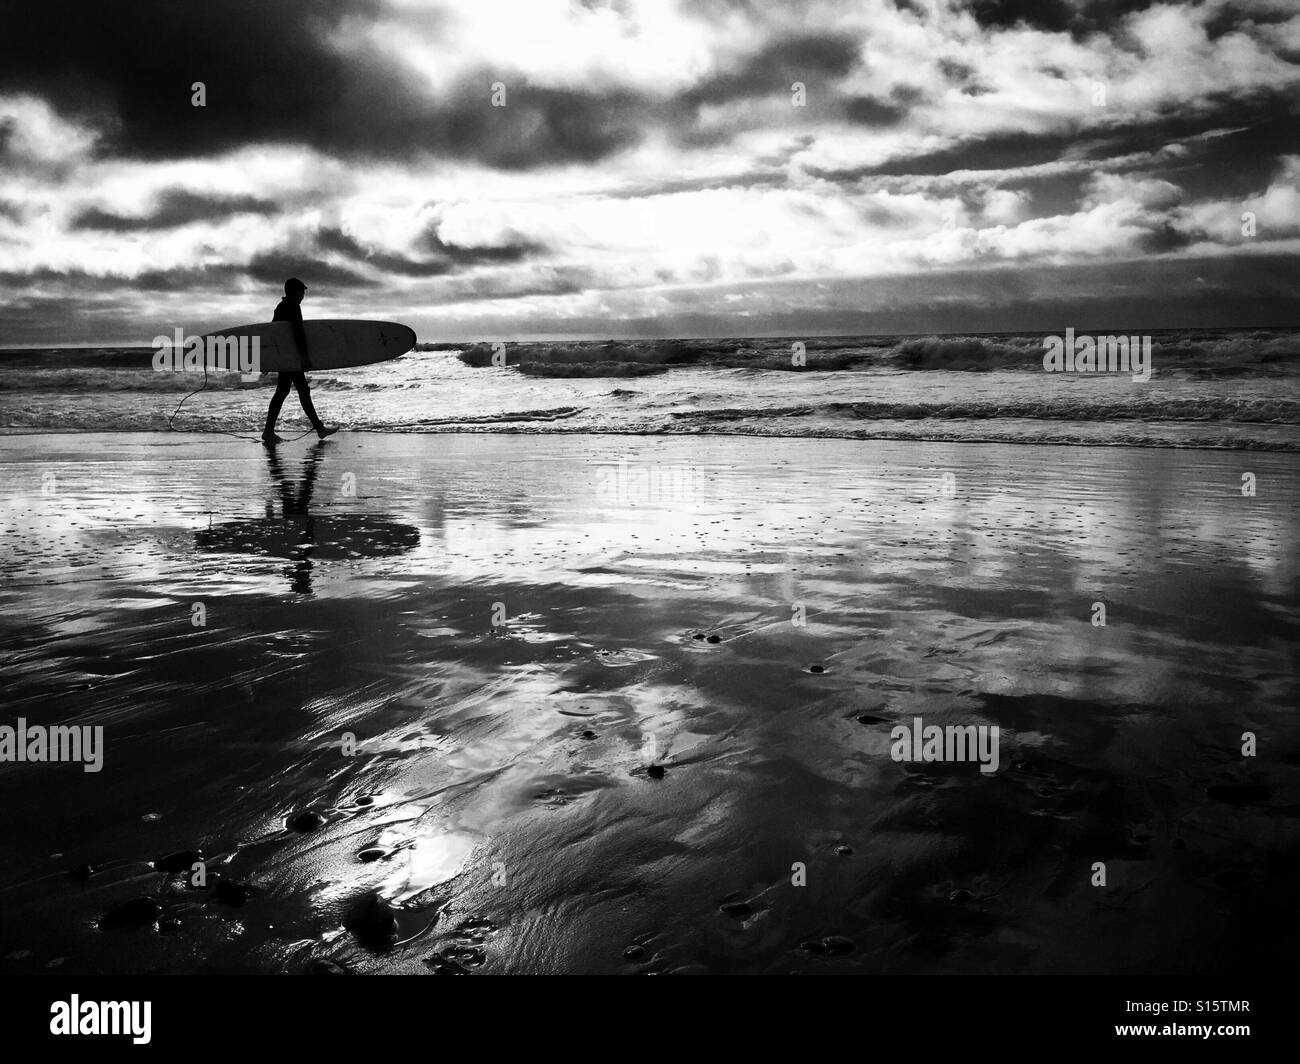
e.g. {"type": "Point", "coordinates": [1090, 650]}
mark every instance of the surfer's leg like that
{"type": "Point", "coordinates": [304, 397]}
{"type": "Point", "coordinates": [282, 385]}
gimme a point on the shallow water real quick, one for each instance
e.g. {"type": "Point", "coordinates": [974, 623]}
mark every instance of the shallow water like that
{"type": "Point", "coordinates": [507, 625]}
{"type": "Point", "coordinates": [1236, 389]}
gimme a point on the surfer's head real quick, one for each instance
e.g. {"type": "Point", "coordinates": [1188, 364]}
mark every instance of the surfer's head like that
{"type": "Point", "coordinates": [294, 288]}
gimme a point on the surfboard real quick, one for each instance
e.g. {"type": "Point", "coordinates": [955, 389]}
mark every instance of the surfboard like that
{"type": "Point", "coordinates": [333, 343]}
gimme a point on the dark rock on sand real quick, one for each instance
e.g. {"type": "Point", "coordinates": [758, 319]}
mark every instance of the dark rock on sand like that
{"type": "Point", "coordinates": [635, 954]}
{"type": "Point", "coordinates": [655, 772]}
{"type": "Point", "coordinates": [960, 896]}
{"type": "Point", "coordinates": [307, 820]}
{"type": "Point", "coordinates": [467, 956]}
{"type": "Point", "coordinates": [232, 893]}
{"type": "Point", "coordinates": [82, 872]}
{"type": "Point", "coordinates": [830, 946]}
{"type": "Point", "coordinates": [714, 639]}
{"type": "Point", "coordinates": [373, 923]}
{"type": "Point", "coordinates": [737, 910]}
{"type": "Point", "coordinates": [844, 851]}
{"type": "Point", "coordinates": [371, 853]}
{"type": "Point", "coordinates": [817, 668]}
{"type": "Point", "coordinates": [138, 912]}
{"type": "Point", "coordinates": [441, 966]}
{"type": "Point", "coordinates": [475, 931]}
{"type": "Point", "coordinates": [180, 861]}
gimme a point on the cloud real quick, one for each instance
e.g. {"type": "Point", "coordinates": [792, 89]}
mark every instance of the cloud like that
{"type": "Point", "coordinates": [1078, 17]}
{"type": "Point", "coordinates": [649, 157]}
{"type": "Point", "coordinates": [175, 207]}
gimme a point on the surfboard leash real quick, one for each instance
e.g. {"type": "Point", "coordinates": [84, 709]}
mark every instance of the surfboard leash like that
{"type": "Point", "coordinates": [224, 432]}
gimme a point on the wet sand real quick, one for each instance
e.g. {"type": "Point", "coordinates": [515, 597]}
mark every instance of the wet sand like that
{"type": "Point", "coordinates": [590, 734]}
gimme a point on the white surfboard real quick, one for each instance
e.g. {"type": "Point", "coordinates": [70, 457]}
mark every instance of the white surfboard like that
{"type": "Point", "coordinates": [333, 343]}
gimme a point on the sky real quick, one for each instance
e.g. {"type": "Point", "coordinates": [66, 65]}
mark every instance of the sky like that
{"type": "Point", "coordinates": [521, 169]}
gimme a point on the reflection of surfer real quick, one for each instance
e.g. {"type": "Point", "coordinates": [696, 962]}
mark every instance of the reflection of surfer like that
{"type": "Point", "coordinates": [296, 507]}
{"type": "Point", "coordinates": [290, 310]}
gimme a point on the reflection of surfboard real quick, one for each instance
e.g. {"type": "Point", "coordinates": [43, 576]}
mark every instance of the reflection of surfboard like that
{"type": "Point", "coordinates": [323, 538]}
{"type": "Point", "coordinates": [333, 343]}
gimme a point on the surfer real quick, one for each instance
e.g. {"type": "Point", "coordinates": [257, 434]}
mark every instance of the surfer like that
{"type": "Point", "coordinates": [290, 309]}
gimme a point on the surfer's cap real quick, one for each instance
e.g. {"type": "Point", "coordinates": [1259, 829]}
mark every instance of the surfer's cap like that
{"type": "Point", "coordinates": [294, 285]}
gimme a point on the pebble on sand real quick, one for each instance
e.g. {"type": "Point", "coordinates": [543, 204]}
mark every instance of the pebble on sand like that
{"type": "Point", "coordinates": [307, 820]}
{"type": "Point", "coordinates": [138, 912]}
{"type": "Point", "coordinates": [232, 893]}
{"type": "Point", "coordinates": [180, 861]}
{"type": "Point", "coordinates": [373, 923]}
{"type": "Point", "coordinates": [830, 946]}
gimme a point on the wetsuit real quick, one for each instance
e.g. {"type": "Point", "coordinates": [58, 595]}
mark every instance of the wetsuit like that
{"type": "Point", "coordinates": [289, 310]}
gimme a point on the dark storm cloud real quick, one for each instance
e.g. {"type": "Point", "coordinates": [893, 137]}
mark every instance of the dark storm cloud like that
{"type": "Point", "coordinates": [270, 76]}
{"type": "Point", "coordinates": [1162, 236]}
{"type": "Point", "coordinates": [462, 255]}
{"type": "Point", "coordinates": [540, 126]}
{"type": "Point", "coordinates": [1268, 128]}
{"type": "Point", "coordinates": [270, 269]}
{"type": "Point", "coordinates": [446, 258]}
{"type": "Point", "coordinates": [1231, 17]}
{"type": "Point", "coordinates": [1080, 17]}
{"type": "Point", "coordinates": [964, 77]}
{"type": "Point", "coordinates": [813, 58]}
{"type": "Point", "coordinates": [175, 207]}
{"type": "Point", "coordinates": [541, 281]}
{"type": "Point", "coordinates": [275, 266]}
{"type": "Point", "coordinates": [335, 240]}
{"type": "Point", "coordinates": [872, 111]}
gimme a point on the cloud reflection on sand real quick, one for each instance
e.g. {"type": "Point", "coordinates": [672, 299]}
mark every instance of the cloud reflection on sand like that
{"type": "Point", "coordinates": [504, 765]}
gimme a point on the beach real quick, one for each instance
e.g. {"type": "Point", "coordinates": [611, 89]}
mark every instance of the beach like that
{"type": "Point", "coordinates": [581, 702]}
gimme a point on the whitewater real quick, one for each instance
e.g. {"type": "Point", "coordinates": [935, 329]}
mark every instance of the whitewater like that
{"type": "Point", "coordinates": [1237, 389]}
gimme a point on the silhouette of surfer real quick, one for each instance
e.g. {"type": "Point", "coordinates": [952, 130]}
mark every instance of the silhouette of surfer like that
{"type": "Point", "coordinates": [290, 309]}
{"type": "Point", "coordinates": [300, 535]}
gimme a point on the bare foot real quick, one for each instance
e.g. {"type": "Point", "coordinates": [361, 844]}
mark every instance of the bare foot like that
{"type": "Point", "coordinates": [271, 439]}
{"type": "Point", "coordinates": [322, 432]}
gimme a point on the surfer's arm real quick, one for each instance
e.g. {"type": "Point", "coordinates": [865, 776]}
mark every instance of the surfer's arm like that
{"type": "Point", "coordinates": [300, 337]}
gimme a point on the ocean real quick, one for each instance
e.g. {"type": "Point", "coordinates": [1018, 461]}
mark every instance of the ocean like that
{"type": "Point", "coordinates": [1221, 388]}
